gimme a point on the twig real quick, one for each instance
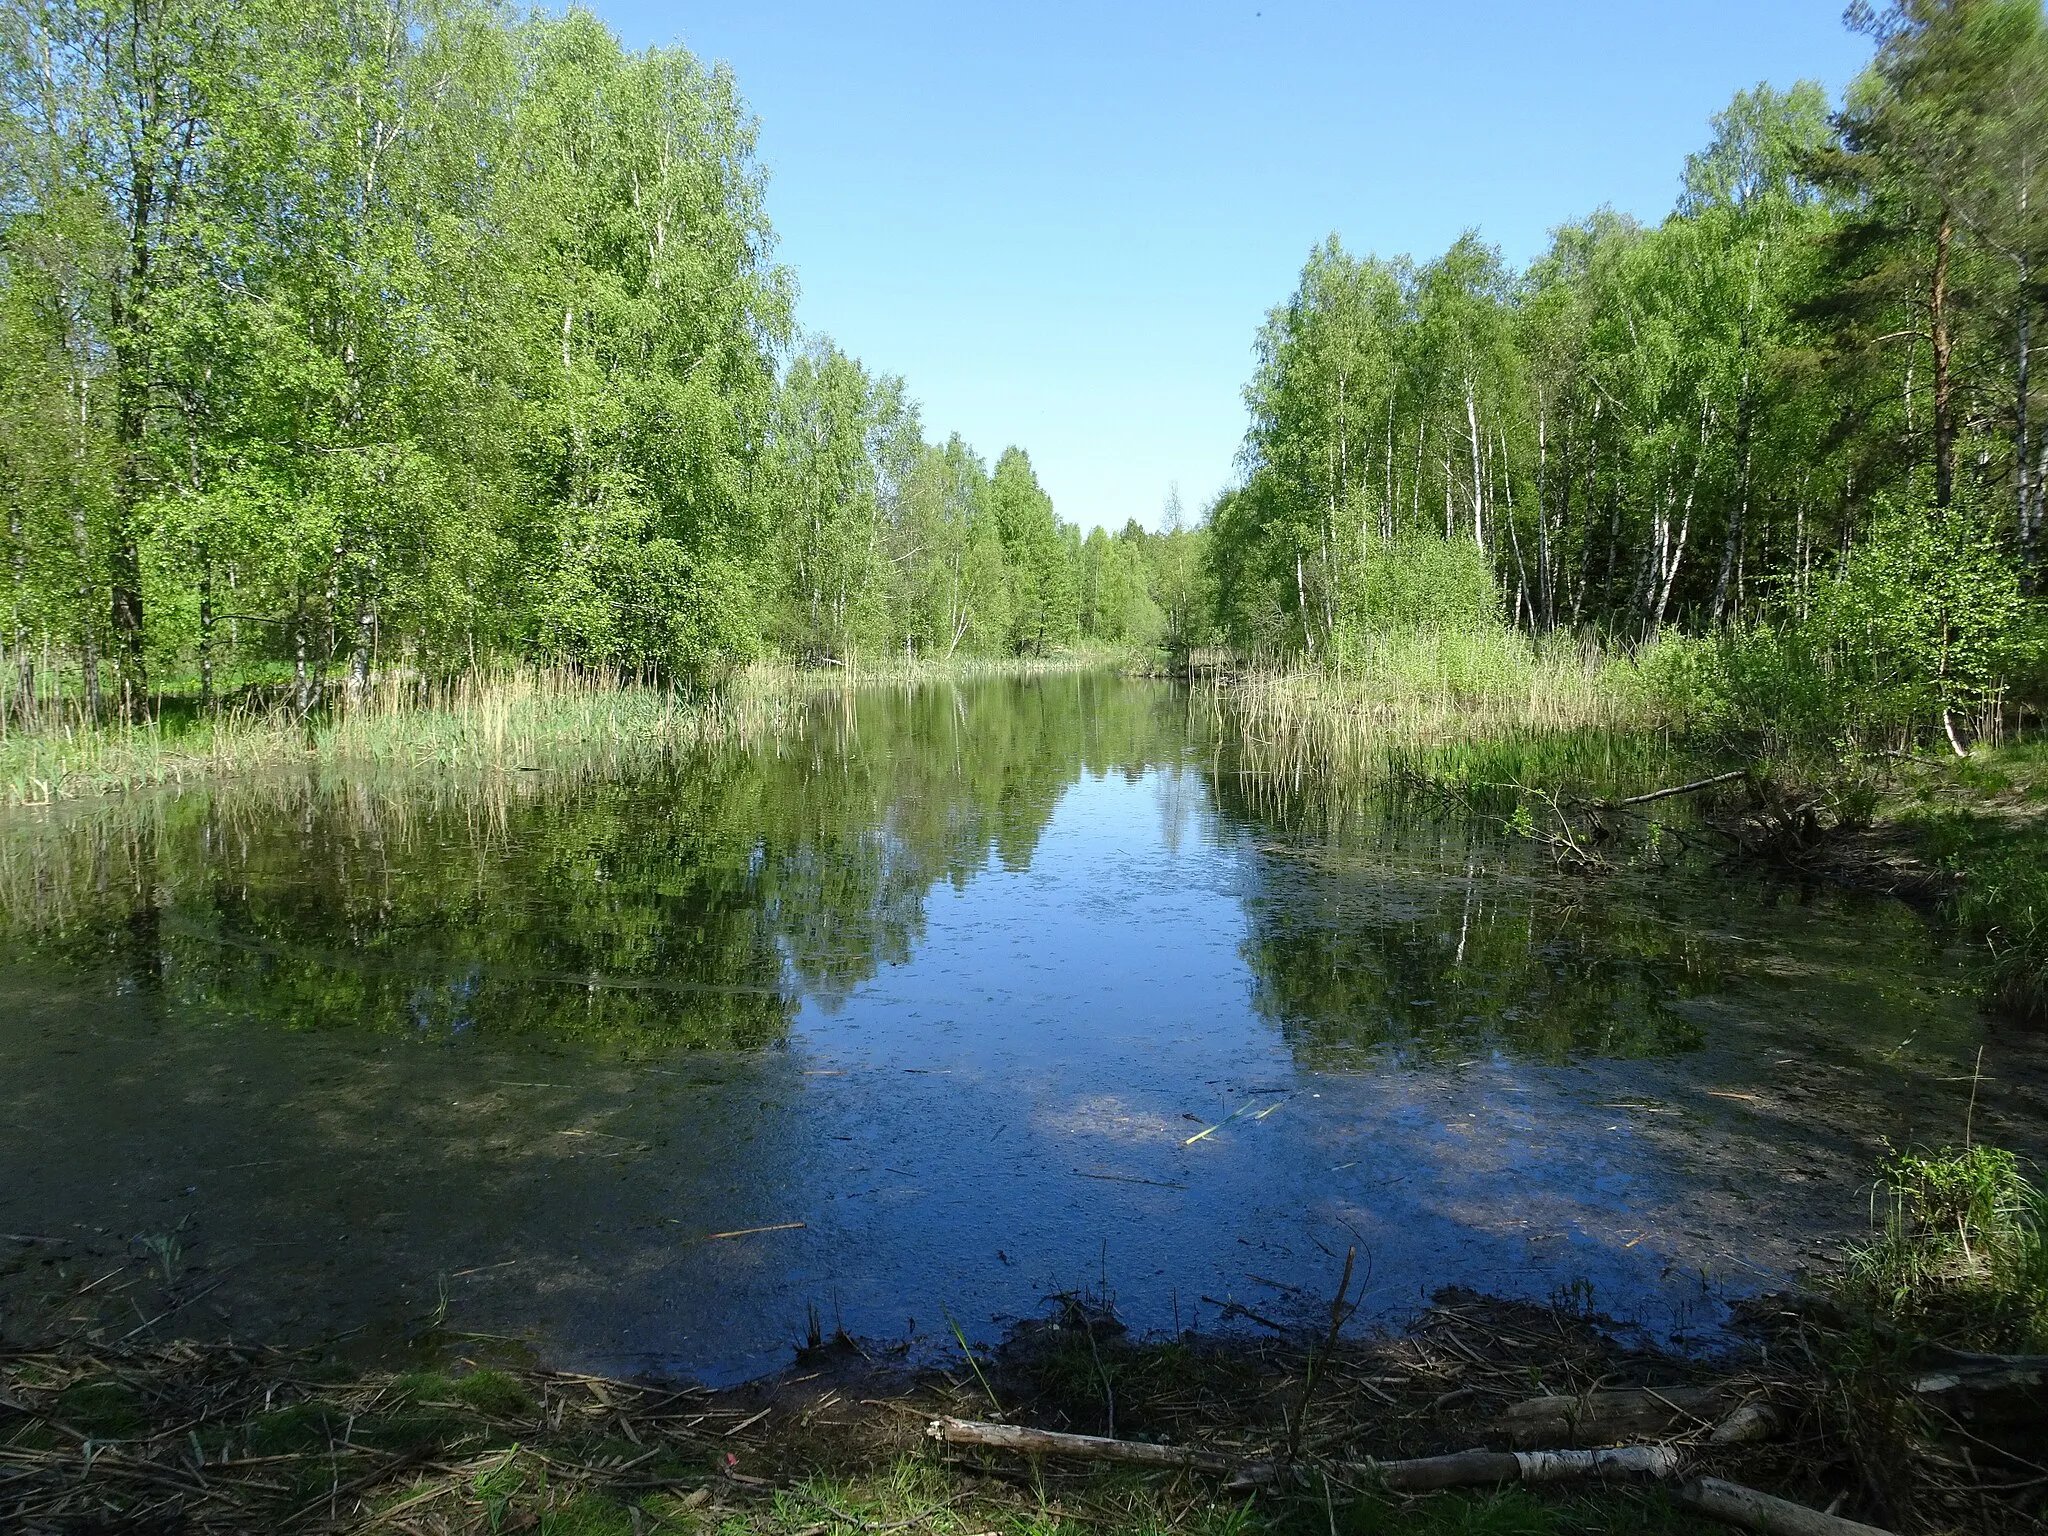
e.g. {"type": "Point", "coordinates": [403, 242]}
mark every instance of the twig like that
{"type": "Point", "coordinates": [1319, 1355]}
{"type": "Point", "coordinates": [1676, 789]}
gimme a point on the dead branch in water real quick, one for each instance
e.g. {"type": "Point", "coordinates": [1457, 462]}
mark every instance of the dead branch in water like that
{"type": "Point", "coordinates": [1677, 789]}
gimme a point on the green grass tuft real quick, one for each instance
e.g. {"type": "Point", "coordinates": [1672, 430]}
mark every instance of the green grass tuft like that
{"type": "Point", "coordinates": [299, 1427]}
{"type": "Point", "coordinates": [103, 1408]}
{"type": "Point", "coordinates": [1961, 1252]}
{"type": "Point", "coordinates": [494, 1394]}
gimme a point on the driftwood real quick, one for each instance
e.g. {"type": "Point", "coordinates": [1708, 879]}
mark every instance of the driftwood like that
{"type": "Point", "coordinates": [1050, 1442]}
{"type": "Point", "coordinates": [1750, 1422]}
{"type": "Point", "coordinates": [1464, 1468]}
{"type": "Point", "coordinates": [1983, 1373]}
{"type": "Point", "coordinates": [1677, 789]}
{"type": "Point", "coordinates": [1460, 1469]}
{"type": "Point", "coordinates": [1731, 1502]}
{"type": "Point", "coordinates": [1611, 1418]}
{"type": "Point", "coordinates": [1755, 1511]}
{"type": "Point", "coordinates": [1606, 1418]}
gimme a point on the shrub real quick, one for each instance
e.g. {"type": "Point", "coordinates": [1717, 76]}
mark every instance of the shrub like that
{"type": "Point", "coordinates": [1922, 632]}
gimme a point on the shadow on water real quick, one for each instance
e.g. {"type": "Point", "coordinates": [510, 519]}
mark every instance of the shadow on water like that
{"type": "Point", "coordinates": [925, 1002]}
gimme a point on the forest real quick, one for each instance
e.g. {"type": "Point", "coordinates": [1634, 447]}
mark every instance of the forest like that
{"type": "Point", "coordinates": [412, 337]}
{"type": "Point", "coordinates": [1799, 412]}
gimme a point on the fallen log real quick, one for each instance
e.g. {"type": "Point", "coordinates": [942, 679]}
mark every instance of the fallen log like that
{"type": "Point", "coordinates": [1970, 1359]}
{"type": "Point", "coordinates": [2024, 1372]}
{"type": "Point", "coordinates": [1677, 789]}
{"type": "Point", "coordinates": [1052, 1442]}
{"type": "Point", "coordinates": [1460, 1469]}
{"type": "Point", "coordinates": [1986, 1394]}
{"type": "Point", "coordinates": [1731, 1502]}
{"type": "Point", "coordinates": [1465, 1468]}
{"type": "Point", "coordinates": [1607, 1418]}
{"type": "Point", "coordinates": [1755, 1511]}
{"type": "Point", "coordinates": [1749, 1423]}
{"type": "Point", "coordinates": [1638, 1413]}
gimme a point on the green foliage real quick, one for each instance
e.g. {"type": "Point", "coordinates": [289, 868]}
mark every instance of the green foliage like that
{"type": "Point", "coordinates": [842, 447]}
{"type": "Point", "coordinates": [1994, 844]}
{"type": "Point", "coordinates": [1044, 600]}
{"type": "Point", "coordinates": [1800, 411]}
{"type": "Point", "coordinates": [399, 338]}
{"type": "Point", "coordinates": [1928, 619]}
{"type": "Point", "coordinates": [1418, 583]}
{"type": "Point", "coordinates": [1917, 639]}
{"type": "Point", "coordinates": [103, 1407]}
{"type": "Point", "coordinates": [1961, 1252]}
{"type": "Point", "coordinates": [295, 1427]}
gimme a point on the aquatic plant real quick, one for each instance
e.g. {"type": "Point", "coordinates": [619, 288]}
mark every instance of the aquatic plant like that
{"type": "Point", "coordinates": [486, 720]}
{"type": "Point", "coordinates": [1468, 707]}
{"type": "Point", "coordinates": [1961, 1250]}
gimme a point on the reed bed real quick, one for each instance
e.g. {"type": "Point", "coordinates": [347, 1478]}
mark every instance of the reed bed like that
{"type": "Point", "coordinates": [1476, 712]}
{"type": "Point", "coordinates": [484, 721]}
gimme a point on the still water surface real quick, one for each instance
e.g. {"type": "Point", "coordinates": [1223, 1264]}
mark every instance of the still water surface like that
{"type": "Point", "coordinates": [927, 1004]}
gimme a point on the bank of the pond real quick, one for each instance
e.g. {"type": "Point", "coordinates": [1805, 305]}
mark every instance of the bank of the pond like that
{"type": "Point", "coordinates": [1979, 828]}
{"type": "Point", "coordinates": [501, 720]}
{"type": "Point", "coordinates": [1965, 837]}
{"type": "Point", "coordinates": [111, 1433]}
{"type": "Point", "coordinates": [1537, 733]}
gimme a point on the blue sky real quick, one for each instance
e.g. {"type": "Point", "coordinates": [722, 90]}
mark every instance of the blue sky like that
{"type": "Point", "coordinates": [1063, 223]}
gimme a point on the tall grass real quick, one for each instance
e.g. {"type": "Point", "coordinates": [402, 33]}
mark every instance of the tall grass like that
{"type": "Point", "coordinates": [1467, 705]}
{"type": "Point", "coordinates": [497, 720]}
{"type": "Point", "coordinates": [488, 720]}
{"type": "Point", "coordinates": [1961, 1251]}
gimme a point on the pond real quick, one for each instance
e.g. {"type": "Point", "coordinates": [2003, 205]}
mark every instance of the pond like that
{"type": "Point", "coordinates": [958, 998]}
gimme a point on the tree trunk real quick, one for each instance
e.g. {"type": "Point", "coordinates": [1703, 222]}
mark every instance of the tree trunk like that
{"type": "Point", "coordinates": [1301, 601]}
{"type": "Point", "coordinates": [1944, 356]}
{"type": "Point", "coordinates": [1478, 483]}
{"type": "Point", "coordinates": [1731, 548]}
{"type": "Point", "coordinates": [24, 658]}
{"type": "Point", "coordinates": [1685, 521]}
{"type": "Point", "coordinates": [1387, 498]}
{"type": "Point", "coordinates": [2029, 487]}
{"type": "Point", "coordinates": [302, 683]}
{"type": "Point", "coordinates": [205, 630]}
{"type": "Point", "coordinates": [1515, 538]}
{"type": "Point", "coordinates": [1546, 591]}
{"type": "Point", "coordinates": [1592, 503]}
{"type": "Point", "coordinates": [359, 661]}
{"type": "Point", "coordinates": [88, 631]}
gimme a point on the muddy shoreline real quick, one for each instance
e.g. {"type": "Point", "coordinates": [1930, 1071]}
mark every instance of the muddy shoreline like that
{"type": "Point", "coordinates": [473, 1436]}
